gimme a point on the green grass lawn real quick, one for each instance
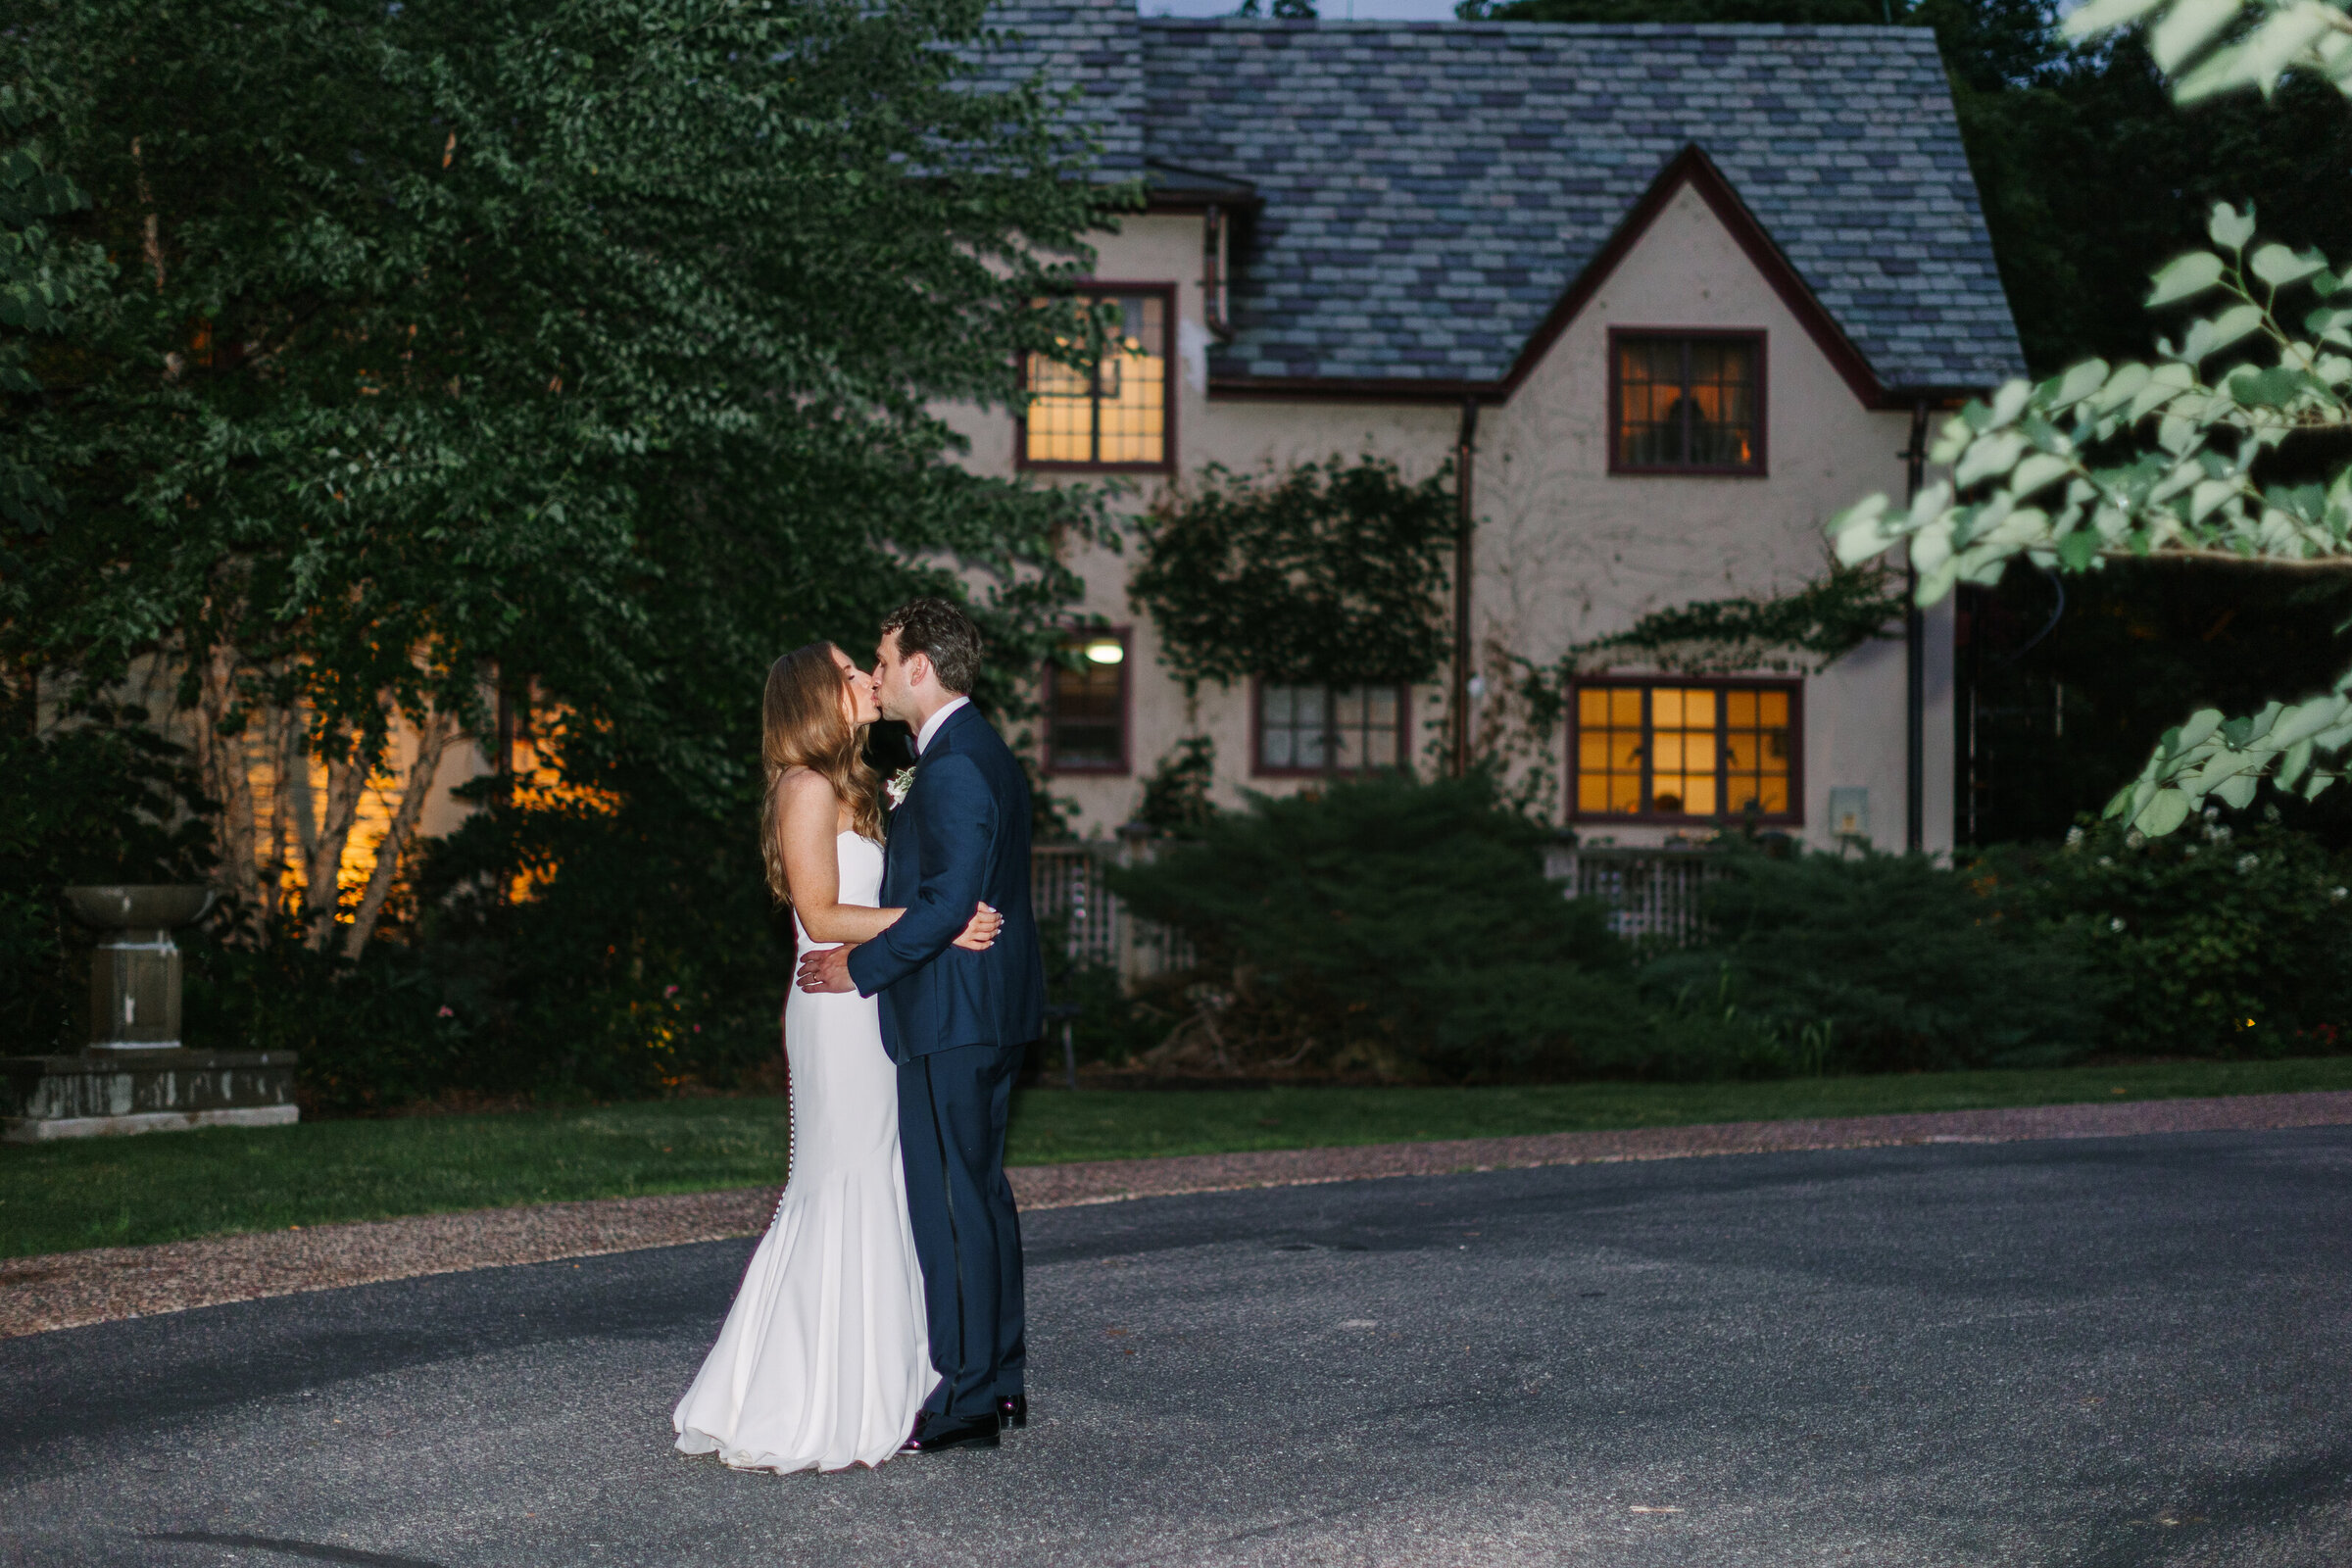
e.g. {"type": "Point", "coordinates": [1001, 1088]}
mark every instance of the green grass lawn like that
{"type": "Point", "coordinates": [107, 1192]}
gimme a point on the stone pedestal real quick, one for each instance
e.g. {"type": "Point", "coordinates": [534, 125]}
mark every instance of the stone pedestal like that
{"type": "Point", "coordinates": [43, 1097]}
{"type": "Point", "coordinates": [136, 1075]}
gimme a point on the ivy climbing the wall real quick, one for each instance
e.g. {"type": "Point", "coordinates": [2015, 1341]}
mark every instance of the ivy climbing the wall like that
{"type": "Point", "coordinates": [1332, 573]}
{"type": "Point", "coordinates": [1806, 631]}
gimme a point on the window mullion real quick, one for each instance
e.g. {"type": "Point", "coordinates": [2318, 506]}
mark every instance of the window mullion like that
{"type": "Point", "coordinates": [1689, 430]}
{"type": "Point", "coordinates": [1650, 752]}
{"type": "Point", "coordinates": [1723, 750]}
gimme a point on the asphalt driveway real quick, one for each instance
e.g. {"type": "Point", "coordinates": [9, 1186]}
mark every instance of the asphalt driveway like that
{"type": "Point", "coordinates": [2121, 1352]}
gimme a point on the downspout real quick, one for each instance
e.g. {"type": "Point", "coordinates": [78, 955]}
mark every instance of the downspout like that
{"type": "Point", "coordinates": [1465, 449]}
{"type": "Point", "coordinates": [1915, 654]}
{"type": "Point", "coordinates": [1212, 274]}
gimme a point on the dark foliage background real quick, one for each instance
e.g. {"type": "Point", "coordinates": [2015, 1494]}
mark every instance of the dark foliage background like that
{"type": "Point", "coordinates": [102, 801]}
{"type": "Point", "coordinates": [2219, 940]}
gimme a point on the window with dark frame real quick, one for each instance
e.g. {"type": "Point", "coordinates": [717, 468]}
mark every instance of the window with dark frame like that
{"type": "Point", "coordinates": [1085, 704]}
{"type": "Point", "coordinates": [1674, 749]}
{"type": "Point", "coordinates": [1686, 403]}
{"type": "Point", "coordinates": [1114, 414]}
{"type": "Point", "coordinates": [1329, 729]}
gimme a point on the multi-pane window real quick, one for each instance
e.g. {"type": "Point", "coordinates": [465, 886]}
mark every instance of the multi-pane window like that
{"type": "Point", "coordinates": [1329, 729]}
{"type": "Point", "coordinates": [1688, 403]}
{"type": "Point", "coordinates": [1114, 413]}
{"type": "Point", "coordinates": [1085, 704]}
{"type": "Point", "coordinates": [1677, 751]}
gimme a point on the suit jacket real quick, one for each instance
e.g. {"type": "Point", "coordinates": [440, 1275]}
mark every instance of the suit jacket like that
{"type": "Point", "coordinates": [961, 836]}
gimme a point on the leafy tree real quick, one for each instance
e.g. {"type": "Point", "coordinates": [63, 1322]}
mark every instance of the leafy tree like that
{"type": "Point", "coordinates": [2168, 460]}
{"type": "Point", "coordinates": [585, 349]}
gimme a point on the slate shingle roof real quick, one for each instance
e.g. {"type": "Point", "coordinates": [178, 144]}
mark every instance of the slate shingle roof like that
{"type": "Point", "coordinates": [1087, 44]}
{"type": "Point", "coordinates": [1431, 189]}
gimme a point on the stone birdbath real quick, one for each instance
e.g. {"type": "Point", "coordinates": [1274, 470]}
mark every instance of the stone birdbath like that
{"type": "Point", "coordinates": [136, 1074]}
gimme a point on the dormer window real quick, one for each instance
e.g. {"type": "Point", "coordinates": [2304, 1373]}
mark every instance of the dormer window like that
{"type": "Point", "coordinates": [1686, 402]}
{"type": "Point", "coordinates": [1114, 414]}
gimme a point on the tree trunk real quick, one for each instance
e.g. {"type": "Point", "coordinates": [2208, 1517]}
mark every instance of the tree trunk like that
{"type": "Point", "coordinates": [431, 740]}
{"type": "Point", "coordinates": [220, 758]}
{"type": "Point", "coordinates": [346, 782]}
{"type": "Point", "coordinates": [287, 774]}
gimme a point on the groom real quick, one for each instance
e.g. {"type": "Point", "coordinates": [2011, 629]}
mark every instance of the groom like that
{"type": "Point", "coordinates": [957, 1022]}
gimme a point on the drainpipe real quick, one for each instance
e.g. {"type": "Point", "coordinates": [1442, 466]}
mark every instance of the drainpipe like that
{"type": "Point", "coordinates": [1915, 654]}
{"type": "Point", "coordinates": [1212, 274]}
{"type": "Point", "coordinates": [1465, 448]}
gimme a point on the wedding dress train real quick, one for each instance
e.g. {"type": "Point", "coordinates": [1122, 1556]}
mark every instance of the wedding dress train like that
{"type": "Point", "coordinates": [824, 1358]}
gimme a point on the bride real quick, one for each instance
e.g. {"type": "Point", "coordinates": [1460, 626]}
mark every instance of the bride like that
{"type": "Point", "coordinates": [824, 1361]}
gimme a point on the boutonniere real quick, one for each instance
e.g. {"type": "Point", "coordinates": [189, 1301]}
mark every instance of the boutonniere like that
{"type": "Point", "coordinates": [900, 783]}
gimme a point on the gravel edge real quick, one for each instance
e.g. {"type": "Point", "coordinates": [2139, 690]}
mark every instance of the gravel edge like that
{"type": "Point", "coordinates": [69, 1290]}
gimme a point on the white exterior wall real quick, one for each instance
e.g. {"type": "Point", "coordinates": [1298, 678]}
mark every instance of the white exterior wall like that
{"type": "Point", "coordinates": [1566, 552]}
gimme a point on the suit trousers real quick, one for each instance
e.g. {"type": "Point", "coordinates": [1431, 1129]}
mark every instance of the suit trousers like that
{"type": "Point", "coordinates": [952, 1107]}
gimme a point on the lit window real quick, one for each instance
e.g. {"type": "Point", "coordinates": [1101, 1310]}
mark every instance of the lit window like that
{"type": "Point", "coordinates": [1688, 403]}
{"type": "Point", "coordinates": [1329, 729]}
{"type": "Point", "coordinates": [1674, 751]}
{"type": "Point", "coordinates": [1114, 414]}
{"type": "Point", "coordinates": [1085, 704]}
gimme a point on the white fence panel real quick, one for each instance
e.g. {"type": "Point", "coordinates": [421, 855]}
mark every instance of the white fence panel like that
{"type": "Point", "coordinates": [1653, 896]}
{"type": "Point", "coordinates": [1067, 881]}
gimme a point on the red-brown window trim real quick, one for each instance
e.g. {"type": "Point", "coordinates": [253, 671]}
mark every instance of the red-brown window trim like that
{"type": "Point", "coordinates": [1168, 443]}
{"type": "Point", "coordinates": [1794, 817]}
{"type": "Point", "coordinates": [1257, 726]}
{"type": "Point", "coordinates": [1759, 469]}
{"type": "Point", "coordinates": [1126, 763]}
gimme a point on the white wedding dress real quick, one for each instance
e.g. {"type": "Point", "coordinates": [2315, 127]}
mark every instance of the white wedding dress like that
{"type": "Point", "coordinates": [825, 1361]}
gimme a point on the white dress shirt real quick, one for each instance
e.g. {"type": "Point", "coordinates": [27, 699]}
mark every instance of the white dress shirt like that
{"type": "Point", "coordinates": [922, 740]}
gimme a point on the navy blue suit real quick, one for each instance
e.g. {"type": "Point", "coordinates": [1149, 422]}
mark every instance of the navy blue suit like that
{"type": "Point", "coordinates": [957, 1023]}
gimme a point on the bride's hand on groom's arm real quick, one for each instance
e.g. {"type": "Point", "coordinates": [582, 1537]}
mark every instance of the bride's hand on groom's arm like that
{"type": "Point", "coordinates": [827, 970]}
{"type": "Point", "coordinates": [980, 931]}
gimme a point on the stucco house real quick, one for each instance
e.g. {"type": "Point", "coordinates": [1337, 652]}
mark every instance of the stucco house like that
{"type": "Point", "coordinates": [1677, 292]}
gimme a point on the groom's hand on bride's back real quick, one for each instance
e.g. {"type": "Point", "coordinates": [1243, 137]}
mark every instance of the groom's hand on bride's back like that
{"type": "Point", "coordinates": [827, 970]}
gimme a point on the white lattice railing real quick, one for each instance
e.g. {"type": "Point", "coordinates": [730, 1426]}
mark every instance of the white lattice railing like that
{"type": "Point", "coordinates": [1067, 881]}
{"type": "Point", "coordinates": [1653, 896]}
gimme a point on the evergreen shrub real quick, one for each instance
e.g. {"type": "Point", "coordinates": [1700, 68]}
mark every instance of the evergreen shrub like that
{"type": "Point", "coordinates": [2220, 941]}
{"type": "Point", "coordinates": [1882, 962]}
{"type": "Point", "coordinates": [1390, 929]}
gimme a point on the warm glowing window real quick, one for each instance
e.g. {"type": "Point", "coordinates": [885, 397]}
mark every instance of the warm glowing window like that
{"type": "Point", "coordinates": [1329, 729]}
{"type": "Point", "coordinates": [1676, 750]}
{"type": "Point", "coordinates": [1114, 414]}
{"type": "Point", "coordinates": [1085, 704]}
{"type": "Point", "coordinates": [1688, 403]}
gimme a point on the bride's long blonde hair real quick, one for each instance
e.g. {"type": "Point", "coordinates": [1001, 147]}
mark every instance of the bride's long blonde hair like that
{"type": "Point", "coordinates": [805, 723]}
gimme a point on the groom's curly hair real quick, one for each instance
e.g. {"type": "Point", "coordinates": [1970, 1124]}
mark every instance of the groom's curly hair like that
{"type": "Point", "coordinates": [942, 634]}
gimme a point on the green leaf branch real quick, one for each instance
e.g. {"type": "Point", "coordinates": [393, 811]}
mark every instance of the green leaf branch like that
{"type": "Point", "coordinates": [2216, 46]}
{"type": "Point", "coordinates": [2028, 476]}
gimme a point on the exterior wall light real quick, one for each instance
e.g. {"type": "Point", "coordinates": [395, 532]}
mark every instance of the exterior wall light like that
{"type": "Point", "coordinates": [1106, 651]}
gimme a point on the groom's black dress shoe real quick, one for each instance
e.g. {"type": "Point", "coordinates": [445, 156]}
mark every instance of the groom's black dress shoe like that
{"type": "Point", "coordinates": [935, 1433]}
{"type": "Point", "coordinates": [1013, 1410]}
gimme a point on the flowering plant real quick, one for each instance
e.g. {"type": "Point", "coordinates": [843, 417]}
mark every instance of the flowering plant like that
{"type": "Point", "coordinates": [900, 783]}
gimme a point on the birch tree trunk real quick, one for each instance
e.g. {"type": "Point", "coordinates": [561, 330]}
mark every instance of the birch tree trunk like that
{"type": "Point", "coordinates": [431, 741]}
{"type": "Point", "coordinates": [346, 780]}
{"type": "Point", "coordinates": [220, 758]}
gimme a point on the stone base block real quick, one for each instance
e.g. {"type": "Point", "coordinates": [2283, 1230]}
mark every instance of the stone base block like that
{"type": "Point", "coordinates": [36, 1130]}
{"type": "Point", "coordinates": [143, 1091]}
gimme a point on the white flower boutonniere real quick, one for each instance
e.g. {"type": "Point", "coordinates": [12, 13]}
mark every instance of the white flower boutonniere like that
{"type": "Point", "coordinates": [900, 783]}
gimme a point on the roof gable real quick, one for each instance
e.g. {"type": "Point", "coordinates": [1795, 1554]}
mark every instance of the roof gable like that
{"type": "Point", "coordinates": [1692, 168]}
